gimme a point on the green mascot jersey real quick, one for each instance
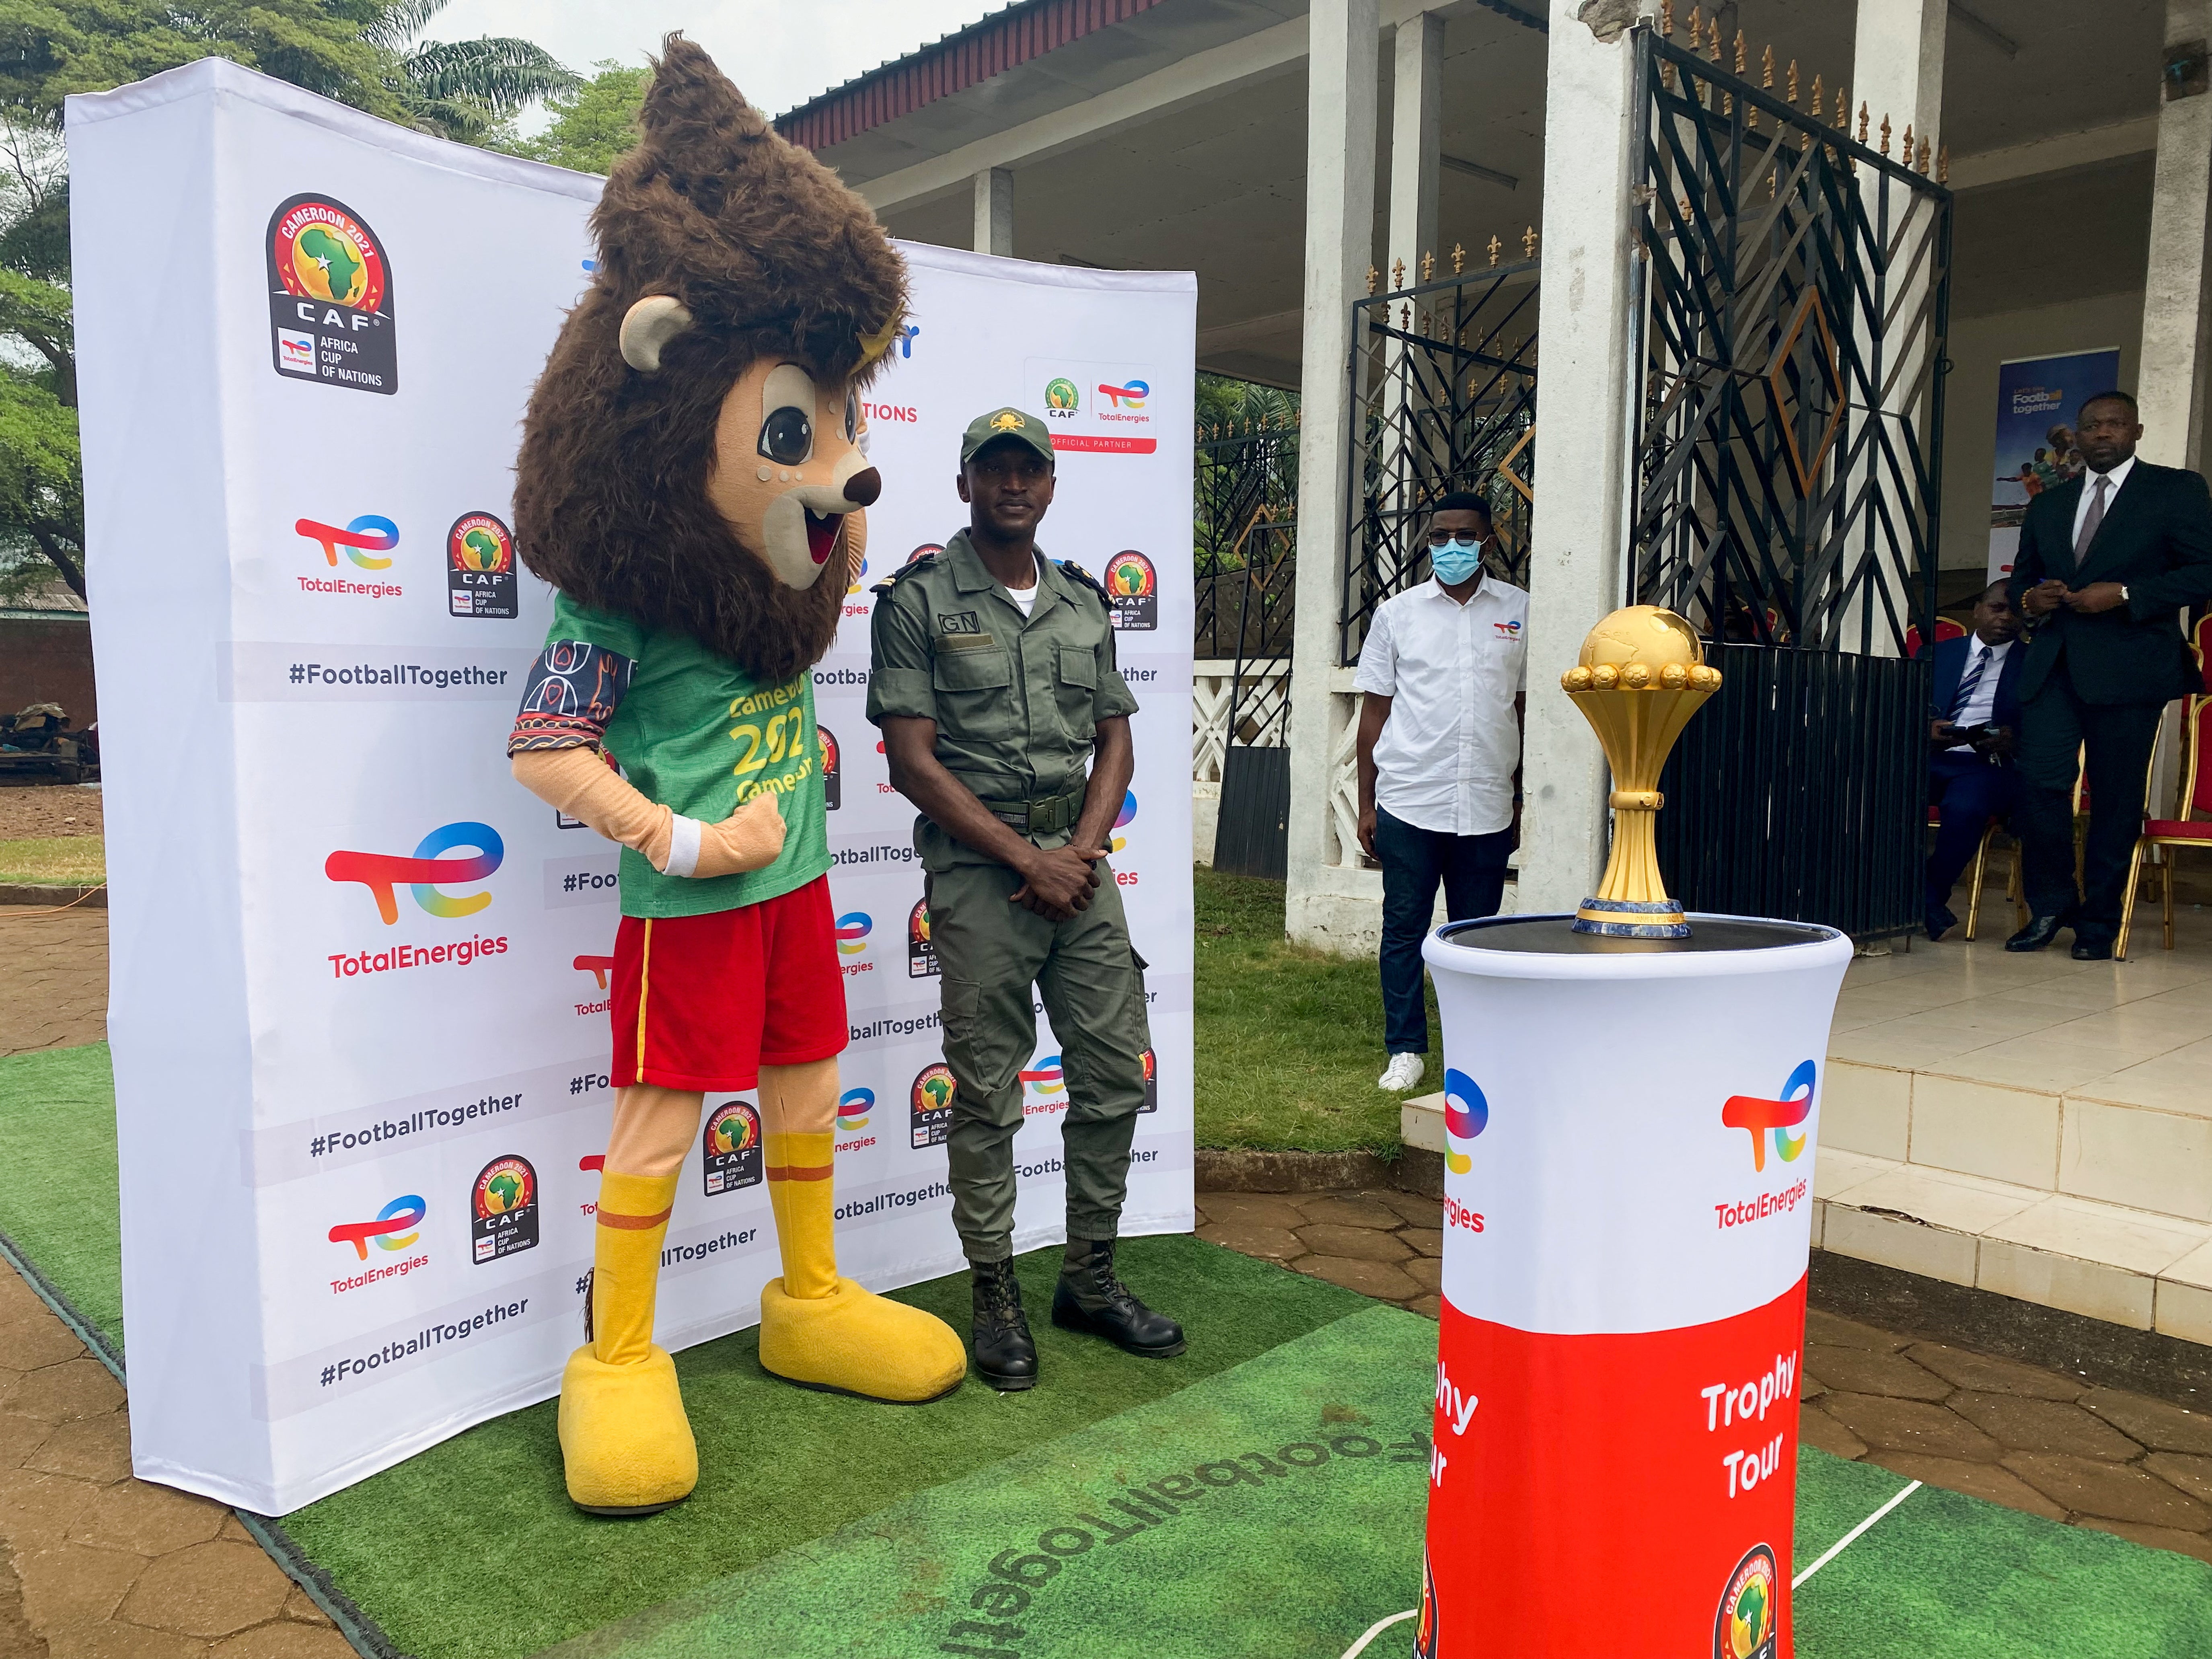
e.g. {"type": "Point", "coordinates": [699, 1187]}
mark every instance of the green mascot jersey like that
{"type": "Point", "coordinates": [698, 734]}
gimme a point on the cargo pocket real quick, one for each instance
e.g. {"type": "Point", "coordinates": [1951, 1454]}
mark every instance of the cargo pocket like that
{"type": "Point", "coordinates": [971, 687]}
{"type": "Point", "coordinates": [1076, 689]}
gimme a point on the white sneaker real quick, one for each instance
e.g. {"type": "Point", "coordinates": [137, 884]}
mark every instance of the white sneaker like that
{"type": "Point", "coordinates": [1403, 1072]}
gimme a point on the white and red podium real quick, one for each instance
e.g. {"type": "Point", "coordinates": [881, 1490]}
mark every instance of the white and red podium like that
{"type": "Point", "coordinates": [1630, 1129]}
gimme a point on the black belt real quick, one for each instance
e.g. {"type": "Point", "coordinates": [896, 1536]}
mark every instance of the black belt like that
{"type": "Point", "coordinates": [1054, 815]}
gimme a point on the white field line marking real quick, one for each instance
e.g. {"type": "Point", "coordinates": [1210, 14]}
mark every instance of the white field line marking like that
{"type": "Point", "coordinates": [1375, 1630]}
{"type": "Point", "coordinates": [1852, 1536]}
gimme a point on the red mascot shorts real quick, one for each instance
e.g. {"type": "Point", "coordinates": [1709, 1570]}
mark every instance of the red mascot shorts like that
{"type": "Point", "coordinates": [704, 1002]}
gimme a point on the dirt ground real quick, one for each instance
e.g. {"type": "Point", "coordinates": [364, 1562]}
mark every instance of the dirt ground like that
{"type": "Point", "coordinates": [52, 809]}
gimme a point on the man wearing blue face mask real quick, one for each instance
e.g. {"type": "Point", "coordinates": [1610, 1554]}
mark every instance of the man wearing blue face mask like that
{"type": "Point", "coordinates": [1443, 678]}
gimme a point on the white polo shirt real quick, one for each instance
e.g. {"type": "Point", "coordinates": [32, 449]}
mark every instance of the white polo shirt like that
{"type": "Point", "coordinates": [1446, 757]}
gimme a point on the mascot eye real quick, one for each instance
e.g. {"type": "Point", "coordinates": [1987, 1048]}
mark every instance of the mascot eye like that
{"type": "Point", "coordinates": [786, 436]}
{"type": "Point", "coordinates": [852, 414]}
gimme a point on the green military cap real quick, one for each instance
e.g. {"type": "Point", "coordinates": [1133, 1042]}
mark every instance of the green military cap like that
{"type": "Point", "coordinates": [1005, 423]}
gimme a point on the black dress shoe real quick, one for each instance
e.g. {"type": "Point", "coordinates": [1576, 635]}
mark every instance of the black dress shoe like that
{"type": "Point", "coordinates": [1940, 922]}
{"type": "Point", "coordinates": [2092, 950]}
{"type": "Point", "coordinates": [2038, 933]}
{"type": "Point", "coordinates": [1090, 1298]}
{"type": "Point", "coordinates": [1006, 1356]}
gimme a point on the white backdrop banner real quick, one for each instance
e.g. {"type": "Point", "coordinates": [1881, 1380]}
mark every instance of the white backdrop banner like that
{"type": "Point", "coordinates": [359, 1003]}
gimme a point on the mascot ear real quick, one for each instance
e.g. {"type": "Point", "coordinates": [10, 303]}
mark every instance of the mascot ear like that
{"type": "Point", "coordinates": [648, 326]}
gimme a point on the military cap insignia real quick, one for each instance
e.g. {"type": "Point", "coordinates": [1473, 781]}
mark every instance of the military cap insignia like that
{"type": "Point", "coordinates": [1005, 421]}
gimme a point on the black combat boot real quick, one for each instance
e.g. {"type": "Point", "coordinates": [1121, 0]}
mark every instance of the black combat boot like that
{"type": "Point", "coordinates": [1090, 1298]}
{"type": "Point", "coordinates": [1005, 1356]}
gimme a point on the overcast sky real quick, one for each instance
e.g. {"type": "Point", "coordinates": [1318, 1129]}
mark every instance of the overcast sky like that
{"type": "Point", "coordinates": [780, 53]}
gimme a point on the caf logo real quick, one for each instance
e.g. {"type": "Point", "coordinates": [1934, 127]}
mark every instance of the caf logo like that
{"type": "Point", "coordinates": [1152, 1084]}
{"type": "Point", "coordinates": [732, 1143]}
{"type": "Point", "coordinates": [1133, 588]}
{"type": "Point", "coordinates": [921, 950]}
{"type": "Point", "coordinates": [330, 297]}
{"type": "Point", "coordinates": [1744, 1628]}
{"type": "Point", "coordinates": [933, 1104]}
{"type": "Point", "coordinates": [503, 1209]}
{"type": "Point", "coordinates": [1425, 1627]}
{"type": "Point", "coordinates": [1060, 397]}
{"type": "Point", "coordinates": [480, 568]}
{"type": "Point", "coordinates": [833, 773]}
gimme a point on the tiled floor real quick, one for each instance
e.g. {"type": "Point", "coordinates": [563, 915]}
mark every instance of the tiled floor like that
{"type": "Point", "coordinates": [2017, 1435]}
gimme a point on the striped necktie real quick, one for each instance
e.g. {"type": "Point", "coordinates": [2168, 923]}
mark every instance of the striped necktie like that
{"type": "Point", "coordinates": [1971, 679]}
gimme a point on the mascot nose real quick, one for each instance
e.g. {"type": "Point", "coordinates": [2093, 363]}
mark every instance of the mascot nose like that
{"type": "Point", "coordinates": [863, 487]}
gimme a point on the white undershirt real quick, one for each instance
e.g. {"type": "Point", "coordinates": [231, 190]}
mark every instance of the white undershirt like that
{"type": "Point", "coordinates": [1025, 597]}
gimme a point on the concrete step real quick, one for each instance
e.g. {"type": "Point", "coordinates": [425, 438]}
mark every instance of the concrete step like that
{"type": "Point", "coordinates": [2140, 1268]}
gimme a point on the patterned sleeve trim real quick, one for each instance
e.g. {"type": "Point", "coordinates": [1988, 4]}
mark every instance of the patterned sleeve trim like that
{"type": "Point", "coordinates": [574, 691]}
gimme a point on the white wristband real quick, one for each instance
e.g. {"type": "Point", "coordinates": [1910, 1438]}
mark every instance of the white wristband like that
{"type": "Point", "coordinates": [682, 846]}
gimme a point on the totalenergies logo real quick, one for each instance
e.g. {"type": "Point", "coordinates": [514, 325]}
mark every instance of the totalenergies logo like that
{"type": "Point", "coordinates": [860, 577]}
{"type": "Point", "coordinates": [1118, 840]}
{"type": "Point", "coordinates": [1759, 1117]}
{"type": "Point", "coordinates": [1046, 1083]}
{"type": "Point", "coordinates": [1131, 396]}
{"type": "Point", "coordinates": [1466, 1115]}
{"type": "Point", "coordinates": [853, 929]}
{"type": "Point", "coordinates": [395, 1228]}
{"type": "Point", "coordinates": [428, 871]}
{"type": "Point", "coordinates": [854, 1107]}
{"type": "Point", "coordinates": [371, 533]}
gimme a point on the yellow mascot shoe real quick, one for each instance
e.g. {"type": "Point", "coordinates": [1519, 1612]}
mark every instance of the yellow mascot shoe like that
{"type": "Point", "coordinates": [851, 1341]}
{"type": "Point", "coordinates": [625, 1441]}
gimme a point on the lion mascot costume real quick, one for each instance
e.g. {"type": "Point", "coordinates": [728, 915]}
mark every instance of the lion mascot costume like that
{"type": "Point", "coordinates": [690, 481]}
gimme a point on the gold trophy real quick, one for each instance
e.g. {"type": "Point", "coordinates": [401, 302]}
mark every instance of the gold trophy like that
{"type": "Point", "coordinates": [1641, 675]}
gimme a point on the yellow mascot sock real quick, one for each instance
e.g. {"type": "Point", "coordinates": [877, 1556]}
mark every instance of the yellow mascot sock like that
{"type": "Point", "coordinates": [817, 1329]}
{"type": "Point", "coordinates": [625, 1441]}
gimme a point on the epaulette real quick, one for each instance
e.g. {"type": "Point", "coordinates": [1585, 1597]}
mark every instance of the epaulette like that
{"type": "Point", "coordinates": [1069, 567]}
{"type": "Point", "coordinates": [926, 561]}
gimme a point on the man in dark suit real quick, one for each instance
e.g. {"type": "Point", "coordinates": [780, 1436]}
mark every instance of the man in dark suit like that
{"type": "Point", "coordinates": [2105, 561]}
{"type": "Point", "coordinates": [1974, 719]}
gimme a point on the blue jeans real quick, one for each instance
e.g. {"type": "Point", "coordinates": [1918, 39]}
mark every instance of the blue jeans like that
{"type": "Point", "coordinates": [1473, 870]}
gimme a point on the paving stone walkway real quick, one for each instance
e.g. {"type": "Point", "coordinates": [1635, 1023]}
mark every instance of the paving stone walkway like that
{"type": "Point", "coordinates": [2017, 1435]}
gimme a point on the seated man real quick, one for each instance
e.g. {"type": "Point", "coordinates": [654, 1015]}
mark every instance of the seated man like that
{"type": "Point", "coordinates": [1975, 714]}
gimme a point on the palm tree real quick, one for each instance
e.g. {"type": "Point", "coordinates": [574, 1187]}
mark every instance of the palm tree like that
{"type": "Point", "coordinates": [460, 89]}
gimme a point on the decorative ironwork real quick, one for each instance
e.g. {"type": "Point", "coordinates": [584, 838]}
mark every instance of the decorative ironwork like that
{"type": "Point", "coordinates": [1786, 484]}
{"type": "Point", "coordinates": [1445, 397]}
{"type": "Point", "coordinates": [1246, 495]}
{"type": "Point", "coordinates": [1791, 423]}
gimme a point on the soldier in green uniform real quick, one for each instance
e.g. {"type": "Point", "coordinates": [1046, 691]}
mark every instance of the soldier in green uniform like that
{"type": "Point", "coordinates": [994, 683]}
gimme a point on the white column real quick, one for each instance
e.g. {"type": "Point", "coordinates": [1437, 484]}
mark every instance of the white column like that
{"type": "Point", "coordinates": [1582, 341]}
{"type": "Point", "coordinates": [1897, 67]}
{"type": "Point", "coordinates": [994, 212]}
{"type": "Point", "coordinates": [2171, 382]}
{"type": "Point", "coordinates": [1340, 96]}
{"type": "Point", "coordinates": [1416, 116]}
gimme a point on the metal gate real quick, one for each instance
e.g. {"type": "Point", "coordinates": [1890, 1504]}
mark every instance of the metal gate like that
{"type": "Point", "coordinates": [1790, 324]}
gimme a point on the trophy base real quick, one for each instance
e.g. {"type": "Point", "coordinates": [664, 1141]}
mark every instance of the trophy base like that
{"type": "Point", "coordinates": [1631, 919]}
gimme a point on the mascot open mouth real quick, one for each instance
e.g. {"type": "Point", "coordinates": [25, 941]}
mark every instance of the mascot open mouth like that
{"type": "Point", "coordinates": [822, 534]}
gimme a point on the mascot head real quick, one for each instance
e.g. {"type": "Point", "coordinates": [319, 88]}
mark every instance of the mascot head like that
{"type": "Point", "coordinates": [689, 458]}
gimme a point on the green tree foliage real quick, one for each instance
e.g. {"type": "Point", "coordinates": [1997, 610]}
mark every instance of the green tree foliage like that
{"type": "Point", "coordinates": [367, 54]}
{"type": "Point", "coordinates": [593, 123]}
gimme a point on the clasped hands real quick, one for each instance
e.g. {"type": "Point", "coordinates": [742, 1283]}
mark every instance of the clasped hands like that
{"type": "Point", "coordinates": [1057, 884]}
{"type": "Point", "coordinates": [2048, 595]}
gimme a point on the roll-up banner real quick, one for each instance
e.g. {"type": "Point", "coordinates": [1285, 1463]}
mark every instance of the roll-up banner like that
{"type": "Point", "coordinates": [359, 976]}
{"type": "Point", "coordinates": [2038, 399]}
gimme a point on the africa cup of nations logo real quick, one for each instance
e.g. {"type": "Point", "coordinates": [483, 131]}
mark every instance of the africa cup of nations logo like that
{"type": "Point", "coordinates": [330, 297]}
{"type": "Point", "coordinates": [732, 1146]}
{"type": "Point", "coordinates": [480, 578]}
{"type": "Point", "coordinates": [1133, 587]}
{"type": "Point", "coordinates": [833, 770]}
{"type": "Point", "coordinates": [1426, 1629]}
{"type": "Point", "coordinates": [933, 1104]}
{"type": "Point", "coordinates": [1745, 1625]}
{"type": "Point", "coordinates": [920, 948]}
{"type": "Point", "coordinates": [503, 1209]}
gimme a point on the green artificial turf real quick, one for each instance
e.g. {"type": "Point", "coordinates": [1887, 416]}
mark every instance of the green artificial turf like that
{"type": "Point", "coordinates": [1944, 1576]}
{"type": "Point", "coordinates": [779, 1466]}
{"type": "Point", "coordinates": [1289, 1040]}
{"type": "Point", "coordinates": [1295, 1498]}
{"type": "Point", "coordinates": [60, 1204]}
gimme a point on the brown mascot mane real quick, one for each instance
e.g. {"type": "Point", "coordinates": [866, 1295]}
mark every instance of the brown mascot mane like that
{"type": "Point", "coordinates": [772, 255]}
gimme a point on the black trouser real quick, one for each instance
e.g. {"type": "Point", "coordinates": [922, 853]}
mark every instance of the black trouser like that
{"type": "Point", "coordinates": [1472, 869]}
{"type": "Point", "coordinates": [1967, 792]}
{"type": "Point", "coordinates": [2054, 725]}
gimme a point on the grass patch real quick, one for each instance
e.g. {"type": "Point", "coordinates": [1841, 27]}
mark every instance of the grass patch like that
{"type": "Point", "coordinates": [57, 1141]}
{"type": "Point", "coordinates": [55, 861]}
{"type": "Point", "coordinates": [1290, 1039]}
